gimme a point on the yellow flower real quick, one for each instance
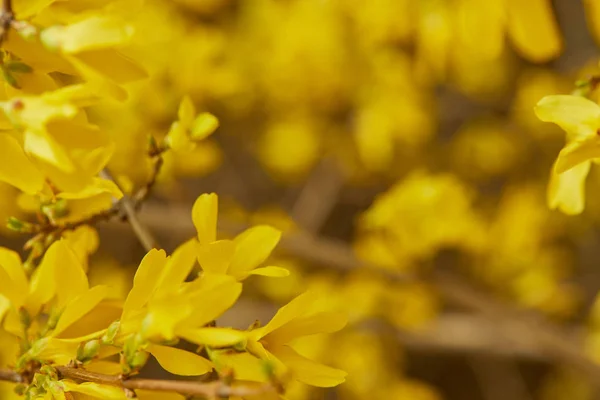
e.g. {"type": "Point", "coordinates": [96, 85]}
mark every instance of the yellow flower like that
{"type": "Point", "coordinates": [302, 317]}
{"type": "Point", "coordinates": [89, 46]}
{"type": "Point", "coordinates": [54, 142]}
{"type": "Point", "coordinates": [161, 306]}
{"type": "Point", "coordinates": [190, 127]}
{"type": "Point", "coordinates": [580, 118]}
{"type": "Point", "coordinates": [240, 257]}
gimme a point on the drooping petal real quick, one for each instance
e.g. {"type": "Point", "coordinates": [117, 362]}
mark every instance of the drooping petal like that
{"type": "Point", "coordinates": [96, 32]}
{"type": "Point", "coordinates": [323, 322]}
{"type": "Point", "coordinates": [309, 371]}
{"type": "Point", "coordinates": [215, 257]}
{"type": "Point", "coordinates": [69, 272]}
{"type": "Point", "coordinates": [566, 191]}
{"type": "Point", "coordinates": [577, 152]}
{"type": "Point", "coordinates": [204, 216]}
{"type": "Point", "coordinates": [578, 116]}
{"type": "Point", "coordinates": [294, 309]}
{"type": "Point", "coordinates": [79, 307]}
{"type": "Point", "coordinates": [180, 362]}
{"type": "Point", "coordinates": [95, 390]}
{"type": "Point", "coordinates": [214, 337]}
{"type": "Point", "coordinates": [272, 271]}
{"type": "Point", "coordinates": [145, 279]}
{"type": "Point", "coordinates": [252, 248]}
{"type": "Point", "coordinates": [15, 279]}
{"type": "Point", "coordinates": [16, 169]}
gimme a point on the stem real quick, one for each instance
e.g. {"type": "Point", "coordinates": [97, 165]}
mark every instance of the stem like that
{"type": "Point", "coordinates": [210, 390]}
{"type": "Point", "coordinates": [128, 207]}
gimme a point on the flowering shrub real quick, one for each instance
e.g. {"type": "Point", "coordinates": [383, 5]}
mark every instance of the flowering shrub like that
{"type": "Point", "coordinates": [386, 158]}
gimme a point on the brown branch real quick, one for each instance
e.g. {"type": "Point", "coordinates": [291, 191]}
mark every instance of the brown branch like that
{"type": "Point", "coordinates": [129, 208]}
{"type": "Point", "coordinates": [10, 376]}
{"type": "Point", "coordinates": [7, 17]}
{"type": "Point", "coordinates": [211, 390]}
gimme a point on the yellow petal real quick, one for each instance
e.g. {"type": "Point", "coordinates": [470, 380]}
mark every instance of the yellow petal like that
{"type": "Point", "coordinates": [95, 390]}
{"type": "Point", "coordinates": [577, 152]}
{"type": "Point", "coordinates": [323, 322]}
{"type": "Point", "coordinates": [27, 8]}
{"type": "Point", "coordinates": [180, 362]}
{"type": "Point", "coordinates": [246, 367]}
{"type": "Point", "coordinates": [275, 272]}
{"type": "Point", "coordinates": [533, 29]}
{"type": "Point", "coordinates": [211, 302]}
{"type": "Point", "coordinates": [578, 116]}
{"type": "Point", "coordinates": [215, 257]}
{"type": "Point", "coordinates": [566, 191]}
{"type": "Point", "coordinates": [214, 337]}
{"type": "Point", "coordinates": [164, 315]}
{"type": "Point", "coordinates": [179, 265]}
{"type": "Point", "coordinates": [79, 307]}
{"type": "Point", "coordinates": [15, 280]}
{"type": "Point", "coordinates": [308, 371]}
{"type": "Point", "coordinates": [70, 275]}
{"type": "Point", "coordinates": [145, 280]}
{"type": "Point", "coordinates": [252, 248]}
{"type": "Point", "coordinates": [44, 147]}
{"type": "Point", "coordinates": [186, 112]}
{"type": "Point", "coordinates": [92, 33]}
{"type": "Point", "coordinates": [203, 126]}
{"type": "Point", "coordinates": [16, 169]}
{"type": "Point", "coordinates": [204, 216]}
{"type": "Point", "coordinates": [110, 64]}
{"type": "Point", "coordinates": [295, 308]}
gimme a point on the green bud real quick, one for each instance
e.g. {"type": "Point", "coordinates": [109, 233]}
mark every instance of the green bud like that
{"type": "Point", "coordinates": [20, 389]}
{"type": "Point", "coordinates": [17, 225]}
{"type": "Point", "coordinates": [49, 371]}
{"type": "Point", "coordinates": [88, 351]}
{"type": "Point", "coordinates": [111, 333]}
{"type": "Point", "coordinates": [138, 360]}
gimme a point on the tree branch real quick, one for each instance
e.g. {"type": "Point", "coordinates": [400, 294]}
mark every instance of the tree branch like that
{"type": "Point", "coordinates": [211, 390]}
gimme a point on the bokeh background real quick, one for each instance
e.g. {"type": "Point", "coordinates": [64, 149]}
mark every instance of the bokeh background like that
{"type": "Point", "coordinates": [394, 141]}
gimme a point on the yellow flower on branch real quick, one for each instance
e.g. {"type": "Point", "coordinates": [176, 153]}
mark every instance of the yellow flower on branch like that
{"type": "Point", "coordinates": [190, 128]}
{"type": "Point", "coordinates": [240, 257]}
{"type": "Point", "coordinates": [580, 118]}
{"type": "Point", "coordinates": [273, 343]}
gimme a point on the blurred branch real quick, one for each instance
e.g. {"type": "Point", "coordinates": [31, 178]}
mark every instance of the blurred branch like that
{"type": "Point", "coordinates": [499, 379]}
{"type": "Point", "coordinates": [318, 196]}
{"type": "Point", "coordinates": [553, 341]}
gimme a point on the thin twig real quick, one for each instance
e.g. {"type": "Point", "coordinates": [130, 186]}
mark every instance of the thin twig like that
{"type": "Point", "coordinates": [7, 16]}
{"type": "Point", "coordinates": [10, 376]}
{"type": "Point", "coordinates": [211, 390]}
{"type": "Point", "coordinates": [141, 232]}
